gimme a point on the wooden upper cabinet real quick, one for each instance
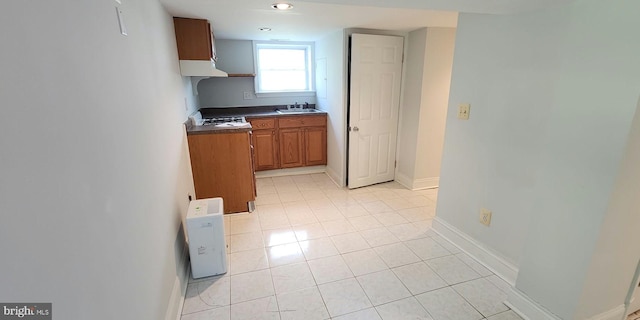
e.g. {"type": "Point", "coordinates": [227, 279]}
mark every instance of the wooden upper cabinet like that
{"type": "Point", "coordinates": [195, 39]}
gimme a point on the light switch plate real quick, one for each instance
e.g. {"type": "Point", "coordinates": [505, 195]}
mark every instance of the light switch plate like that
{"type": "Point", "coordinates": [463, 111]}
{"type": "Point", "coordinates": [485, 216]}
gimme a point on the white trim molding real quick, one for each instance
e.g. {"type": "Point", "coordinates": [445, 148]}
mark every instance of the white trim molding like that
{"type": "Point", "coordinates": [179, 291]}
{"type": "Point", "coordinates": [528, 309]}
{"type": "Point", "coordinates": [417, 184]}
{"type": "Point", "coordinates": [403, 180]}
{"type": "Point", "coordinates": [337, 179]}
{"type": "Point", "coordinates": [176, 301]}
{"type": "Point", "coordinates": [616, 313]}
{"type": "Point", "coordinates": [493, 261]}
{"type": "Point", "coordinates": [426, 183]}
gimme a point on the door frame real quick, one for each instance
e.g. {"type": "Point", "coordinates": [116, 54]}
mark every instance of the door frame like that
{"type": "Point", "coordinates": [347, 89]}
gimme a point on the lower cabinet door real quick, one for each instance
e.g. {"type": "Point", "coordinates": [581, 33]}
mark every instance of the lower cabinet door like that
{"type": "Point", "coordinates": [265, 150]}
{"type": "Point", "coordinates": [291, 148]}
{"type": "Point", "coordinates": [315, 146]}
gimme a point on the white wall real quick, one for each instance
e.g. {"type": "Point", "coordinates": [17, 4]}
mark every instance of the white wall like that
{"type": "Point", "coordinates": [552, 95]}
{"type": "Point", "coordinates": [429, 60]}
{"type": "Point", "coordinates": [409, 118]}
{"type": "Point", "coordinates": [438, 63]}
{"type": "Point", "coordinates": [330, 81]}
{"type": "Point", "coordinates": [93, 172]}
{"type": "Point", "coordinates": [236, 56]}
{"type": "Point", "coordinates": [617, 251]}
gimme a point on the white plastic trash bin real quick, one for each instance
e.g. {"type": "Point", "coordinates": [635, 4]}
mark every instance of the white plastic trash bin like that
{"type": "Point", "coordinates": [205, 229]}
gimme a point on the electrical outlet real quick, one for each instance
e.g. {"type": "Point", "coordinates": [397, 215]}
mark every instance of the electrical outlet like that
{"type": "Point", "coordinates": [463, 111]}
{"type": "Point", "coordinates": [186, 105]}
{"type": "Point", "coordinates": [485, 216]}
{"type": "Point", "coordinates": [248, 95]}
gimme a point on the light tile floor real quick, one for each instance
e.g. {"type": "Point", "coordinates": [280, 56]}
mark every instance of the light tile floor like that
{"type": "Point", "coordinates": [312, 250]}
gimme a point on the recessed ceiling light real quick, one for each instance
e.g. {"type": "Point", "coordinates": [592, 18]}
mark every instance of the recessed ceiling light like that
{"type": "Point", "coordinates": [282, 6]}
{"type": "Point", "coordinates": [264, 29]}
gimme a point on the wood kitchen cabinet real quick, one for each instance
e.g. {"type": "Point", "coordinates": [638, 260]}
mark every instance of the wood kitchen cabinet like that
{"type": "Point", "coordinates": [222, 167]}
{"type": "Point", "coordinates": [303, 141]}
{"type": "Point", "coordinates": [195, 39]}
{"type": "Point", "coordinates": [265, 143]}
{"type": "Point", "coordinates": [315, 146]}
{"type": "Point", "coordinates": [291, 147]}
{"type": "Point", "coordinates": [289, 141]}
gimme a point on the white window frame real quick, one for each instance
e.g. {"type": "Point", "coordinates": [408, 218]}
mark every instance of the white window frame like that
{"type": "Point", "coordinates": [308, 46]}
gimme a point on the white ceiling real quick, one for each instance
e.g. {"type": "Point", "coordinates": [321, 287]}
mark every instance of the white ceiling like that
{"type": "Point", "coordinates": [312, 19]}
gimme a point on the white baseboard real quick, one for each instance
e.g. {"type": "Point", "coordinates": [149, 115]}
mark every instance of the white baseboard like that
{"type": "Point", "coordinates": [404, 180]}
{"type": "Point", "coordinates": [179, 291]}
{"type": "Point", "coordinates": [528, 309]}
{"type": "Point", "coordinates": [426, 183]}
{"type": "Point", "coordinates": [290, 171]}
{"type": "Point", "coordinates": [616, 313]}
{"type": "Point", "coordinates": [493, 261]}
{"type": "Point", "coordinates": [337, 179]}
{"type": "Point", "coordinates": [518, 301]}
{"type": "Point", "coordinates": [175, 301]}
{"type": "Point", "coordinates": [416, 184]}
{"type": "Point", "coordinates": [634, 303]}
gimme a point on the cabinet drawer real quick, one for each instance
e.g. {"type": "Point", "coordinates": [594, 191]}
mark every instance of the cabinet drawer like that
{"type": "Point", "coordinates": [302, 121]}
{"type": "Point", "coordinates": [263, 123]}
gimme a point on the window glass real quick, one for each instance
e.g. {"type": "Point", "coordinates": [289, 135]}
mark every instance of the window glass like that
{"type": "Point", "coordinates": [283, 68]}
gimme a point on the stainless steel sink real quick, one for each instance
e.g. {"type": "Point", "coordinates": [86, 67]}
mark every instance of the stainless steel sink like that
{"type": "Point", "coordinates": [286, 111]}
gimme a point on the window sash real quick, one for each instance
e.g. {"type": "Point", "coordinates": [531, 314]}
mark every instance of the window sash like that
{"type": "Point", "coordinates": [276, 76]}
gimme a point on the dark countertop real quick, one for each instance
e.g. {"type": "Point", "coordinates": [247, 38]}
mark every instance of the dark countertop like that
{"type": "Point", "coordinates": [248, 112]}
{"type": "Point", "coordinates": [214, 129]}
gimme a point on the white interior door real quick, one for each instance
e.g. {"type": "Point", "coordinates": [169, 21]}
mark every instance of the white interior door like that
{"type": "Point", "coordinates": [374, 99]}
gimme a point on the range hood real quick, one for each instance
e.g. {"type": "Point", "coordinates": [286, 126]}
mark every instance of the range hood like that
{"type": "Point", "coordinates": [200, 68]}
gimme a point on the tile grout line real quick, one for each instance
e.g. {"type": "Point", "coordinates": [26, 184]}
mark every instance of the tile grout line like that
{"type": "Point", "coordinates": [356, 231]}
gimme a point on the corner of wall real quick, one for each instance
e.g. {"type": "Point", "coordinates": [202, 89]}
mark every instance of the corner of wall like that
{"type": "Point", "coordinates": [494, 261]}
{"type": "Point", "coordinates": [528, 309]}
{"type": "Point", "coordinates": [333, 175]}
{"type": "Point", "coordinates": [426, 183]}
{"type": "Point", "coordinates": [404, 180]}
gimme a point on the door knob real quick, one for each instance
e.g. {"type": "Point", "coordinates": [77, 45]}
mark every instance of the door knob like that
{"type": "Point", "coordinates": [356, 129]}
